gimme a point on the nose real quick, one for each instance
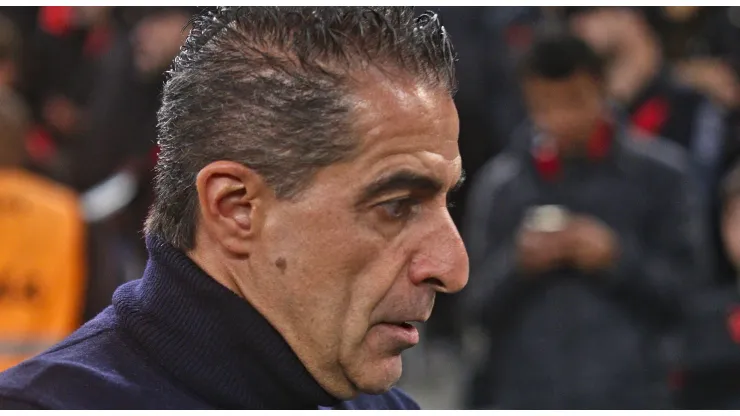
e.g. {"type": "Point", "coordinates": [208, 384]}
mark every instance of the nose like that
{"type": "Point", "coordinates": [441, 260]}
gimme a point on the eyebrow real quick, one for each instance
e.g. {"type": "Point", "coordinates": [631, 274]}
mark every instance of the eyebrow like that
{"type": "Point", "coordinates": [405, 180]}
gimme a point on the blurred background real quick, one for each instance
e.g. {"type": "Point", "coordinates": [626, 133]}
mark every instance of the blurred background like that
{"type": "Point", "coordinates": [79, 92]}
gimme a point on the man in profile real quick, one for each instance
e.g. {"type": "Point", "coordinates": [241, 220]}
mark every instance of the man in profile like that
{"type": "Point", "coordinates": [300, 228]}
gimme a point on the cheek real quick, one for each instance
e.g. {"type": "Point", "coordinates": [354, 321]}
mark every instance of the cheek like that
{"type": "Point", "coordinates": [380, 265]}
{"type": "Point", "coordinates": [332, 268]}
{"type": "Point", "coordinates": [374, 284]}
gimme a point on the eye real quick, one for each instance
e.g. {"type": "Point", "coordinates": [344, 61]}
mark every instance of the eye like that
{"type": "Point", "coordinates": [400, 209]}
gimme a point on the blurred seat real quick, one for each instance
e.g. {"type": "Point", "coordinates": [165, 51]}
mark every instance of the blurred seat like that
{"type": "Point", "coordinates": [42, 265]}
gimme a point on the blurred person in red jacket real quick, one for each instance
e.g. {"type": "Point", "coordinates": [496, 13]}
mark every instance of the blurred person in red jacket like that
{"type": "Point", "coordinates": [583, 242]}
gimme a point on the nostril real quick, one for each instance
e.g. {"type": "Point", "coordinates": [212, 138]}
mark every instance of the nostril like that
{"type": "Point", "coordinates": [433, 281]}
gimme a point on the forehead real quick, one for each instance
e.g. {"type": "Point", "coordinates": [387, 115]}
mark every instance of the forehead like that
{"type": "Point", "coordinates": [404, 122]}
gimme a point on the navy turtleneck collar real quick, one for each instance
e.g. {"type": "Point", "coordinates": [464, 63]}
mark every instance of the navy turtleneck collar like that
{"type": "Point", "coordinates": [211, 341]}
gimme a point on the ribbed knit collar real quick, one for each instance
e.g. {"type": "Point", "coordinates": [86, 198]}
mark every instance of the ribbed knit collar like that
{"type": "Point", "coordinates": [211, 341]}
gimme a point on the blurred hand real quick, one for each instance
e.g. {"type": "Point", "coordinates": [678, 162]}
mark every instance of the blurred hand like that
{"type": "Point", "coordinates": [539, 251]}
{"type": "Point", "coordinates": [591, 244]}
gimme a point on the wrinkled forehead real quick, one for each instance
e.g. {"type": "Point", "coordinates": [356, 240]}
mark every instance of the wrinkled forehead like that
{"type": "Point", "coordinates": [404, 115]}
{"type": "Point", "coordinates": [402, 129]}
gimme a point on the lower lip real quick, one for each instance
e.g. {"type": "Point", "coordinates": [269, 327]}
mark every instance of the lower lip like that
{"type": "Point", "coordinates": [407, 334]}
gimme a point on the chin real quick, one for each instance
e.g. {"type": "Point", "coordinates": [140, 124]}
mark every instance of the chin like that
{"type": "Point", "coordinates": [376, 376]}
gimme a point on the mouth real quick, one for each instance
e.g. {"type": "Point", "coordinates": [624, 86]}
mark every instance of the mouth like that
{"type": "Point", "coordinates": [406, 325]}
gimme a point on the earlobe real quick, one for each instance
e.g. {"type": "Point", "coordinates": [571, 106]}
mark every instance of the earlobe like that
{"type": "Point", "coordinates": [229, 194]}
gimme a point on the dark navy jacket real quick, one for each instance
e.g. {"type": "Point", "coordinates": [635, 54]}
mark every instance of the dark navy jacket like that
{"type": "Point", "coordinates": [175, 339]}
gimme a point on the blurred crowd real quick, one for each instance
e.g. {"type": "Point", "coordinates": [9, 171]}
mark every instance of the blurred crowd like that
{"type": "Point", "coordinates": [606, 287]}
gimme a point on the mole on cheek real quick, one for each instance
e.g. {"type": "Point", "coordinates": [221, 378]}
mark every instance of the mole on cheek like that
{"type": "Point", "coordinates": [281, 264]}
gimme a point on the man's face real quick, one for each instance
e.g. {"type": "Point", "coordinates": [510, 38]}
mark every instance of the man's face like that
{"type": "Point", "coordinates": [363, 250]}
{"type": "Point", "coordinates": [567, 109]}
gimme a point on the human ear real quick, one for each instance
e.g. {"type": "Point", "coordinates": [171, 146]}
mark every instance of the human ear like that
{"type": "Point", "coordinates": [231, 198]}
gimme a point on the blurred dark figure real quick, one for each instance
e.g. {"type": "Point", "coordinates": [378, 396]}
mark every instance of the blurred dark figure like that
{"type": "Point", "coordinates": [582, 243]}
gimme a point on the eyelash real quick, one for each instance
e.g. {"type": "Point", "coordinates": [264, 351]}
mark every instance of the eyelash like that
{"type": "Point", "coordinates": [411, 204]}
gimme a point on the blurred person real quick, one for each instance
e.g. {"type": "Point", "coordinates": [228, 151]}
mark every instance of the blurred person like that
{"type": "Point", "coordinates": [583, 242]}
{"type": "Point", "coordinates": [42, 272]}
{"type": "Point", "coordinates": [300, 224]}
